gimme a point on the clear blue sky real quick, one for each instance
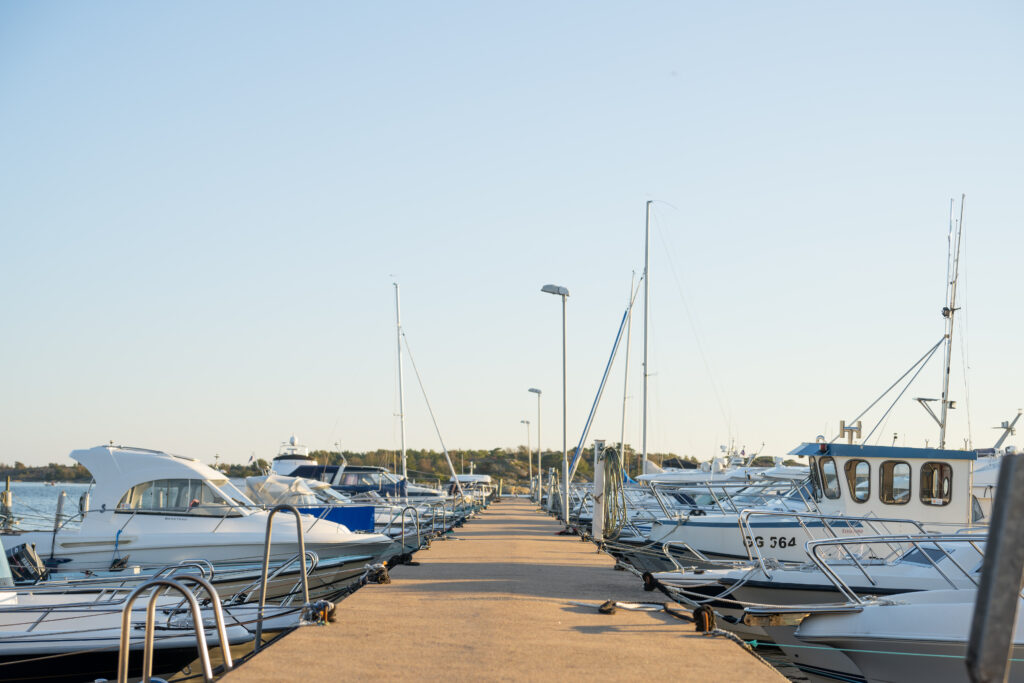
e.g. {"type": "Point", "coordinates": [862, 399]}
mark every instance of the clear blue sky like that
{"type": "Point", "coordinates": [203, 206]}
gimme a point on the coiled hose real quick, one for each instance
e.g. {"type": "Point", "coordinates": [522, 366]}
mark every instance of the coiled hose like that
{"type": "Point", "coordinates": [615, 511]}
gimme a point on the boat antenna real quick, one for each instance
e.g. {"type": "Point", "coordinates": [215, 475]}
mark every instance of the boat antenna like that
{"type": "Point", "coordinates": [1009, 429]}
{"type": "Point", "coordinates": [401, 386]}
{"type": "Point", "coordinates": [953, 272]}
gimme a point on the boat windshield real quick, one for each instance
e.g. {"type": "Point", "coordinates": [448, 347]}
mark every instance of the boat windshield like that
{"type": "Point", "coordinates": [325, 495]}
{"type": "Point", "coordinates": [197, 497]}
{"type": "Point", "coordinates": [232, 492]}
{"type": "Point", "coordinates": [360, 479]}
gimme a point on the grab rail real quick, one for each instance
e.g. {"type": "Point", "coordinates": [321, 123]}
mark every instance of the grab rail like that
{"type": "Point", "coordinates": [266, 565]}
{"type": "Point", "coordinates": [743, 520]}
{"type": "Point", "coordinates": [416, 521]}
{"type": "Point", "coordinates": [934, 540]}
{"type": "Point", "coordinates": [197, 620]}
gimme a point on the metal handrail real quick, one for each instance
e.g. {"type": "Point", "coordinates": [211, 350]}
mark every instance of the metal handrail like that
{"type": "Point", "coordinates": [433, 516]}
{"type": "Point", "coordinates": [243, 594]}
{"type": "Point", "coordinates": [743, 520]}
{"type": "Point", "coordinates": [666, 549]}
{"type": "Point", "coordinates": [197, 620]}
{"type": "Point", "coordinates": [812, 548]}
{"type": "Point", "coordinates": [416, 521]}
{"type": "Point", "coordinates": [720, 490]}
{"type": "Point", "coordinates": [201, 565]}
{"type": "Point", "coordinates": [266, 564]}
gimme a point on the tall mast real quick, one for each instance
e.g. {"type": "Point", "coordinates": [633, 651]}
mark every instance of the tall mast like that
{"type": "Point", "coordinates": [401, 386]}
{"type": "Point", "coordinates": [948, 312]}
{"type": "Point", "coordinates": [647, 282]}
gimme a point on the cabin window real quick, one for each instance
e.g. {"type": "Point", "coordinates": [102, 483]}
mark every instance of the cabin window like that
{"type": "Point", "coordinates": [977, 514]}
{"type": "Point", "coordinates": [360, 479]}
{"type": "Point", "coordinates": [858, 479]}
{"type": "Point", "coordinates": [894, 482]}
{"type": "Point", "coordinates": [176, 496]}
{"type": "Point", "coordinates": [936, 483]}
{"type": "Point", "coordinates": [829, 478]}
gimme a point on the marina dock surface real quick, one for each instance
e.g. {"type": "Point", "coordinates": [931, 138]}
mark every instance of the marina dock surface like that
{"type": "Point", "coordinates": [497, 604]}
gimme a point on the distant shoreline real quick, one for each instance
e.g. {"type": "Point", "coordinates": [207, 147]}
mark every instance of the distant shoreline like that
{"type": "Point", "coordinates": [68, 474]}
{"type": "Point", "coordinates": [55, 482]}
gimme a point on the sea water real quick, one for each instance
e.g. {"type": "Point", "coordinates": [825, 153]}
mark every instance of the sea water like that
{"type": "Point", "coordinates": [35, 502]}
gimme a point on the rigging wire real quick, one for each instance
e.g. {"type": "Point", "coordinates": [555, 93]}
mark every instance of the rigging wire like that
{"type": "Point", "coordinates": [726, 413]}
{"type": "Point", "coordinates": [923, 359]}
{"type": "Point", "coordinates": [900, 395]}
{"type": "Point", "coordinates": [430, 410]}
{"type": "Point", "coordinates": [965, 351]}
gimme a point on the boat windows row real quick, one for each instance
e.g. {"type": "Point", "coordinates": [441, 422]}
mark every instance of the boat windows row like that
{"type": "Point", "coordinates": [176, 496]}
{"type": "Point", "coordinates": [894, 481]}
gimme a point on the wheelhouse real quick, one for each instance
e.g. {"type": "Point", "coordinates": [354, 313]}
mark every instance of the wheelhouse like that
{"type": "Point", "coordinates": [892, 481]}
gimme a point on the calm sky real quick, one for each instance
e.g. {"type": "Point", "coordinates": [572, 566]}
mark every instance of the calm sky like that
{"type": "Point", "coordinates": [203, 207]}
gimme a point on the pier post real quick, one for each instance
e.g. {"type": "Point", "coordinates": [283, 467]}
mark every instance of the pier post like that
{"type": "Point", "coordinates": [597, 526]}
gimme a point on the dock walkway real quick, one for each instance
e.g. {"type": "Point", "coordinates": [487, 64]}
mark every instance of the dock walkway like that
{"type": "Point", "coordinates": [497, 605]}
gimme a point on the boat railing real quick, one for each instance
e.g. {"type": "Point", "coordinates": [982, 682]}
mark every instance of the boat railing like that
{"type": "Point", "coordinates": [266, 564]}
{"type": "Point", "coordinates": [723, 495]}
{"type": "Point", "coordinates": [401, 516]}
{"type": "Point", "coordinates": [310, 562]}
{"type": "Point", "coordinates": [667, 549]}
{"type": "Point", "coordinates": [748, 537]}
{"type": "Point", "coordinates": [922, 543]}
{"type": "Point", "coordinates": [205, 568]}
{"type": "Point", "coordinates": [197, 619]}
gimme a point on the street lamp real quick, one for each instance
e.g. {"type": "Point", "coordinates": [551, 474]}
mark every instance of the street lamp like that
{"type": "Point", "coordinates": [529, 456]}
{"type": "Point", "coordinates": [564, 293]}
{"type": "Point", "coordinates": [539, 470]}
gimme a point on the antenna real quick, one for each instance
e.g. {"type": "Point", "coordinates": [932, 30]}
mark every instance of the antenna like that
{"type": "Point", "coordinates": [1009, 429]}
{"type": "Point", "coordinates": [948, 312]}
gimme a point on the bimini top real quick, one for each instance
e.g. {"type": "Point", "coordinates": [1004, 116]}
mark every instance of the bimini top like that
{"type": "Point", "coordinates": [846, 450]}
{"type": "Point", "coordinates": [118, 468]}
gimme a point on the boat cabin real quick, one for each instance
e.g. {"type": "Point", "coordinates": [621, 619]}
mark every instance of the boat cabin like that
{"type": "Point", "coordinates": [927, 484]}
{"type": "Point", "coordinates": [143, 481]}
{"type": "Point", "coordinates": [352, 479]}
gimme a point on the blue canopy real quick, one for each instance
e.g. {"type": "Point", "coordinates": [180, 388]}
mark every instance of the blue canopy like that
{"type": "Point", "coordinates": [846, 450]}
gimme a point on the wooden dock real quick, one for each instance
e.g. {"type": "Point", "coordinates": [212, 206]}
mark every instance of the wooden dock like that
{"type": "Point", "coordinates": [497, 604]}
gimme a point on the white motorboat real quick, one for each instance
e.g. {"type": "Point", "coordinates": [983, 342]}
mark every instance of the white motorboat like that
{"type": "Point", "coordinates": [76, 632]}
{"type": "Point", "coordinates": [153, 509]}
{"type": "Point", "coordinates": [919, 636]}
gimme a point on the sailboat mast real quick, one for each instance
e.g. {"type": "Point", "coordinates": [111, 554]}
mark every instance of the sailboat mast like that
{"type": "Point", "coordinates": [625, 373]}
{"type": "Point", "coordinates": [949, 311]}
{"type": "Point", "coordinates": [647, 280]}
{"type": "Point", "coordinates": [401, 386]}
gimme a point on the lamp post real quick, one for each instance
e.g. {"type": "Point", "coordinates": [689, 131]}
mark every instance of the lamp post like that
{"type": "Point", "coordinates": [564, 293]}
{"type": "Point", "coordinates": [529, 455]}
{"type": "Point", "coordinates": [539, 470]}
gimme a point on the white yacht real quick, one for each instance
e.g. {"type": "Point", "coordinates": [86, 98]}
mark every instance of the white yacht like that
{"type": "Point", "coordinates": [290, 456]}
{"type": "Point", "coordinates": [154, 509]}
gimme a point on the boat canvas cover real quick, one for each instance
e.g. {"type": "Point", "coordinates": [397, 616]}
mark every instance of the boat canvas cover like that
{"type": "Point", "coordinates": [274, 489]}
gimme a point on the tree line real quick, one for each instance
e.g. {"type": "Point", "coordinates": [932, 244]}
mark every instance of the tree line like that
{"type": "Point", "coordinates": [427, 466]}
